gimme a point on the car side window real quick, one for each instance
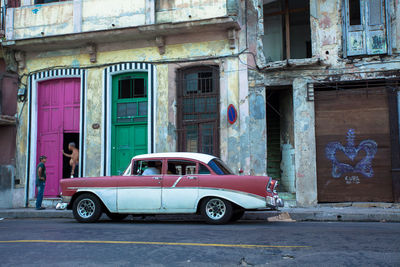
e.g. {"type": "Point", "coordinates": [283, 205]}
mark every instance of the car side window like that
{"type": "Point", "coordinates": [147, 167]}
{"type": "Point", "coordinates": [181, 167]}
{"type": "Point", "coordinates": [203, 169]}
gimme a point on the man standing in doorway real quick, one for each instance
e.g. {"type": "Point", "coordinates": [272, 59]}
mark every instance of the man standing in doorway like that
{"type": "Point", "coordinates": [40, 181]}
{"type": "Point", "coordinates": [74, 162]}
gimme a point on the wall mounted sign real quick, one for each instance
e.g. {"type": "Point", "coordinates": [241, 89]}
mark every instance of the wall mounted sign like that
{"type": "Point", "coordinates": [232, 114]}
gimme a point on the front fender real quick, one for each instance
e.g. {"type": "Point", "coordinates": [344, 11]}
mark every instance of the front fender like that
{"type": "Point", "coordinates": [107, 195]}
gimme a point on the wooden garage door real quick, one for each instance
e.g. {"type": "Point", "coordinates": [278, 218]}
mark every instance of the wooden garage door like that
{"type": "Point", "coordinates": [353, 145]}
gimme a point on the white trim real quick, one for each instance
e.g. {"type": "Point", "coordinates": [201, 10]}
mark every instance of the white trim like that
{"type": "Point", "coordinates": [204, 158]}
{"type": "Point", "coordinates": [33, 121]}
{"type": "Point", "coordinates": [107, 107]}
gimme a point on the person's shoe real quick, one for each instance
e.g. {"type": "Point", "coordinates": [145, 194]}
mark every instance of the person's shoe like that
{"type": "Point", "coordinates": [41, 208]}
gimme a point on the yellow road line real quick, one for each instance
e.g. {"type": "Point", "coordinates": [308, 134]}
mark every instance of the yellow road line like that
{"type": "Point", "coordinates": [151, 243]}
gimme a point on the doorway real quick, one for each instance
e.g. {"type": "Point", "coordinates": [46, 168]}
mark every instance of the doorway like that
{"type": "Point", "coordinates": [280, 137]}
{"type": "Point", "coordinates": [58, 113]}
{"type": "Point", "coordinates": [68, 138]}
{"type": "Point", "coordinates": [129, 119]}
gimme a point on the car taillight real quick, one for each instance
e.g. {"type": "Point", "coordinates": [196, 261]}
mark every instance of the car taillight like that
{"type": "Point", "coordinates": [273, 186]}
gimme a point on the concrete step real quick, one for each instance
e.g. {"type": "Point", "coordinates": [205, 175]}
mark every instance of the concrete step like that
{"type": "Point", "coordinates": [47, 202]}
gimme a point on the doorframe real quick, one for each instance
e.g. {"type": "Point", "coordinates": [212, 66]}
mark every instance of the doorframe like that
{"type": "Point", "coordinates": [33, 81]}
{"type": "Point", "coordinates": [107, 108]}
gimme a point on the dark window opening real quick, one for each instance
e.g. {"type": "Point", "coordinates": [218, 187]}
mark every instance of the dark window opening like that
{"type": "Point", "coordinates": [181, 167]}
{"type": "Point", "coordinates": [198, 111]}
{"type": "Point", "coordinates": [355, 12]}
{"type": "Point", "coordinates": [139, 88]}
{"type": "Point", "coordinates": [125, 89]}
{"type": "Point", "coordinates": [131, 88]}
{"type": "Point", "coordinates": [68, 138]}
{"type": "Point", "coordinates": [287, 30]}
{"type": "Point", "coordinates": [204, 170]}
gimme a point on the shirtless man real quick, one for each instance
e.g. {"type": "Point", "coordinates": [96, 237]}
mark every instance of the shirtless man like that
{"type": "Point", "coordinates": [74, 161]}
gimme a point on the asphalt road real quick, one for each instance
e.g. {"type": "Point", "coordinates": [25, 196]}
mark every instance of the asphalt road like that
{"type": "Point", "coordinates": [64, 242]}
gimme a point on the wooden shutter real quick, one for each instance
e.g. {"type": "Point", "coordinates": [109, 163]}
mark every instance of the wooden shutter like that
{"type": "Point", "coordinates": [370, 36]}
{"type": "Point", "coordinates": [355, 38]}
{"type": "Point", "coordinates": [375, 27]}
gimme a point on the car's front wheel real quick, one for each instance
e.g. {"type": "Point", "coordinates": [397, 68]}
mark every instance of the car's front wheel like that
{"type": "Point", "coordinates": [216, 210]}
{"type": "Point", "coordinates": [87, 208]}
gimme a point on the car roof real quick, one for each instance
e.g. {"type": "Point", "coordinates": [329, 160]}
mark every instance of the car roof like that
{"type": "Point", "coordinates": [186, 155]}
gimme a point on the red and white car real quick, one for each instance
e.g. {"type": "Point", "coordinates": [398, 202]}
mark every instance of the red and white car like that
{"type": "Point", "coordinates": [171, 183]}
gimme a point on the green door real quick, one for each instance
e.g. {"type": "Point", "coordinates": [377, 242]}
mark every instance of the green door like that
{"type": "Point", "coordinates": [129, 119]}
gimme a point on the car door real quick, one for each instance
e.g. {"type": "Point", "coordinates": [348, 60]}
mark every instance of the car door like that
{"type": "Point", "coordinates": [180, 189]}
{"type": "Point", "coordinates": [140, 193]}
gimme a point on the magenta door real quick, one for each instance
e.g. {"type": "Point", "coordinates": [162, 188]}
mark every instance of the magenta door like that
{"type": "Point", "coordinates": [58, 113]}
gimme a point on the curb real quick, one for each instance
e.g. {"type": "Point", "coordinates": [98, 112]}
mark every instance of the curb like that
{"type": "Point", "coordinates": [292, 215]}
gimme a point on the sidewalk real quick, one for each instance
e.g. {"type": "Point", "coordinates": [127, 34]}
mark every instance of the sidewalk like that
{"type": "Point", "coordinates": [319, 213]}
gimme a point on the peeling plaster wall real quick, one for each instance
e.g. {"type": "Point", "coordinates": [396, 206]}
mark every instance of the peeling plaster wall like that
{"type": "Point", "coordinates": [58, 18]}
{"type": "Point", "coordinates": [177, 11]}
{"type": "Point", "coordinates": [305, 151]}
{"type": "Point", "coordinates": [109, 14]}
{"type": "Point", "coordinates": [41, 20]}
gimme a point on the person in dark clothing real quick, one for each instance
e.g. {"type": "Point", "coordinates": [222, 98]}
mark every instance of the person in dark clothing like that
{"type": "Point", "coordinates": [40, 181]}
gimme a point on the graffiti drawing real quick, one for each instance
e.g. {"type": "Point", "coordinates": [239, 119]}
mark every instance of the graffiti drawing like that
{"type": "Point", "coordinates": [364, 166]}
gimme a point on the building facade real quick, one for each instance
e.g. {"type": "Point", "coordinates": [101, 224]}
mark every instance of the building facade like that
{"type": "Point", "coordinates": [8, 122]}
{"type": "Point", "coordinates": [314, 84]}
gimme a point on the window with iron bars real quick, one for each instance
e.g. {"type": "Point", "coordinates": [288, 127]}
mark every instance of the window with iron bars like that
{"type": "Point", "coordinates": [198, 110]}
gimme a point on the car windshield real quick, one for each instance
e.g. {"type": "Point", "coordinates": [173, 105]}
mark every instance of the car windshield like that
{"type": "Point", "coordinates": [219, 167]}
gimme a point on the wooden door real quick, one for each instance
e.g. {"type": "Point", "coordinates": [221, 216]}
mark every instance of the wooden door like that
{"type": "Point", "coordinates": [129, 119]}
{"type": "Point", "coordinates": [353, 145]}
{"type": "Point", "coordinates": [58, 112]}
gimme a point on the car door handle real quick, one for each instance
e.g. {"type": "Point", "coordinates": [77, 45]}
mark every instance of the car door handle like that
{"type": "Point", "coordinates": [157, 178]}
{"type": "Point", "coordinates": [192, 177]}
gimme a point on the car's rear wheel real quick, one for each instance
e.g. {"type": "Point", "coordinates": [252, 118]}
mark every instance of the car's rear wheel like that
{"type": "Point", "coordinates": [237, 214]}
{"type": "Point", "coordinates": [216, 210]}
{"type": "Point", "coordinates": [117, 217]}
{"type": "Point", "coordinates": [87, 208]}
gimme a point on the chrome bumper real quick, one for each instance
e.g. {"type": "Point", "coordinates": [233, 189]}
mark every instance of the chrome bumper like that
{"type": "Point", "coordinates": [274, 202]}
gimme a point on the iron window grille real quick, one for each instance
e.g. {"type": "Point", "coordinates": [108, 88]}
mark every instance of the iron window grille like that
{"type": "Point", "coordinates": [198, 110]}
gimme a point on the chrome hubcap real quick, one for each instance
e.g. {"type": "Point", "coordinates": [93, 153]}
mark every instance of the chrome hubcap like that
{"type": "Point", "coordinates": [215, 209]}
{"type": "Point", "coordinates": [86, 208]}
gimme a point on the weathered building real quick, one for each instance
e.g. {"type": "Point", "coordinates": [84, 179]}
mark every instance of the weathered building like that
{"type": "Point", "coordinates": [314, 84]}
{"type": "Point", "coordinates": [330, 71]}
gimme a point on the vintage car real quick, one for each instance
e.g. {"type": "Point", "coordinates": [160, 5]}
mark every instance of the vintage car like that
{"type": "Point", "coordinates": [171, 183]}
